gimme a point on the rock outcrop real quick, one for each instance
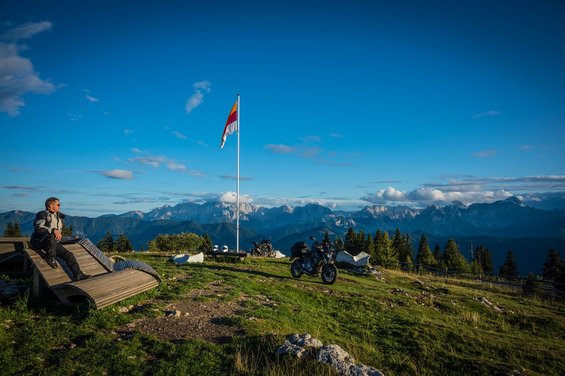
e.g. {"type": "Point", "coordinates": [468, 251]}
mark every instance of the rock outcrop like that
{"type": "Point", "coordinates": [333, 355]}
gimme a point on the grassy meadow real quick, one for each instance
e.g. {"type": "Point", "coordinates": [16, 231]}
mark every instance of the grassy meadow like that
{"type": "Point", "coordinates": [403, 325]}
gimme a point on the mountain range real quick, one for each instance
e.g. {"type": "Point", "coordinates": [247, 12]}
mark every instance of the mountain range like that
{"type": "Point", "coordinates": [500, 226]}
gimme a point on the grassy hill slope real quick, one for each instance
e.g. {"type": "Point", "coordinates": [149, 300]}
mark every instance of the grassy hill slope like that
{"type": "Point", "coordinates": [404, 324]}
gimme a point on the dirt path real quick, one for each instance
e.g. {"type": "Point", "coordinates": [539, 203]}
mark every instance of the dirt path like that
{"type": "Point", "coordinates": [194, 317]}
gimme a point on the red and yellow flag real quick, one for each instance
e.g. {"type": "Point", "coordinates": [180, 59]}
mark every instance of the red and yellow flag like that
{"type": "Point", "coordinates": [231, 124]}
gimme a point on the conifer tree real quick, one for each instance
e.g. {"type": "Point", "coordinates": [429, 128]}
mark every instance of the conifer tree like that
{"type": "Point", "coordinates": [106, 244]}
{"type": "Point", "coordinates": [484, 258]}
{"type": "Point", "coordinates": [424, 257]}
{"type": "Point", "coordinates": [350, 241]}
{"type": "Point", "coordinates": [397, 241]}
{"type": "Point", "coordinates": [360, 243]}
{"type": "Point", "coordinates": [206, 244]}
{"type": "Point", "coordinates": [370, 245]}
{"type": "Point", "coordinates": [339, 245]}
{"type": "Point", "coordinates": [437, 254]}
{"type": "Point", "coordinates": [406, 252]}
{"type": "Point", "coordinates": [532, 286]}
{"type": "Point", "coordinates": [376, 258]}
{"type": "Point", "coordinates": [510, 268]}
{"type": "Point", "coordinates": [550, 269]}
{"type": "Point", "coordinates": [122, 244]}
{"type": "Point", "coordinates": [385, 254]}
{"type": "Point", "coordinates": [12, 230]}
{"type": "Point", "coordinates": [476, 267]}
{"type": "Point", "coordinates": [453, 260]}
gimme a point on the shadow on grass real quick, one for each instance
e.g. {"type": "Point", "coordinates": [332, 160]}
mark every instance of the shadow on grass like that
{"type": "Point", "coordinates": [241, 270]}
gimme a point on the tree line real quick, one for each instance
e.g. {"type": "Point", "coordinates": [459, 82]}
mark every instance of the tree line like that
{"type": "Point", "coordinates": [398, 252]}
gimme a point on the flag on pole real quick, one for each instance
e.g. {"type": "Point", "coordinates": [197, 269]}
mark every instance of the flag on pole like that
{"type": "Point", "coordinates": [231, 124]}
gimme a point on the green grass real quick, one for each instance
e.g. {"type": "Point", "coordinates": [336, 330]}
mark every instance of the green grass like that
{"type": "Point", "coordinates": [399, 326]}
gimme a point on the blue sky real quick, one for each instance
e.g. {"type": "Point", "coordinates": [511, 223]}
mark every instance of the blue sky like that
{"type": "Point", "coordinates": [118, 107]}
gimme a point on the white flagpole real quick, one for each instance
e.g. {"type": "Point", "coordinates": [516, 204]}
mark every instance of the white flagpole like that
{"type": "Point", "coordinates": [237, 210]}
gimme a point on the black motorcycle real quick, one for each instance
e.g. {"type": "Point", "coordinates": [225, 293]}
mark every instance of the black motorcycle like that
{"type": "Point", "coordinates": [265, 248]}
{"type": "Point", "coordinates": [315, 261]}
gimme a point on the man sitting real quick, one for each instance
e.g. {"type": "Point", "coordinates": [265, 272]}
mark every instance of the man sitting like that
{"type": "Point", "coordinates": [47, 234]}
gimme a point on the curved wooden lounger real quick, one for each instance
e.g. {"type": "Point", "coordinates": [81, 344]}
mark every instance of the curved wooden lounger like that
{"type": "Point", "coordinates": [108, 285]}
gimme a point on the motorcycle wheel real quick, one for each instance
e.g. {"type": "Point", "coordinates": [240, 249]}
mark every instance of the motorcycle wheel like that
{"type": "Point", "coordinates": [329, 274]}
{"type": "Point", "coordinates": [296, 269]}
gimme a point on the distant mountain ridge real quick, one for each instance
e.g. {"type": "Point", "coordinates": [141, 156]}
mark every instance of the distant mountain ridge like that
{"type": "Point", "coordinates": [500, 223]}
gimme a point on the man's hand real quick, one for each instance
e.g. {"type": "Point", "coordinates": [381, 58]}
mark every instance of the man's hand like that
{"type": "Point", "coordinates": [58, 235]}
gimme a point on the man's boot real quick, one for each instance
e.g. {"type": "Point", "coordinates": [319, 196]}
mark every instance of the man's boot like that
{"type": "Point", "coordinates": [81, 276]}
{"type": "Point", "coordinates": [52, 262]}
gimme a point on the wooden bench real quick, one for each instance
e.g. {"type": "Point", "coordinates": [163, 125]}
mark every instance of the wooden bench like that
{"type": "Point", "coordinates": [109, 284]}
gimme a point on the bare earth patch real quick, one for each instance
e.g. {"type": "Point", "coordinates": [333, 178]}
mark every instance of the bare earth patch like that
{"type": "Point", "coordinates": [202, 315]}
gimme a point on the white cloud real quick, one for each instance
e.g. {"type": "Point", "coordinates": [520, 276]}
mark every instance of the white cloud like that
{"type": "Point", "coordinates": [92, 99]}
{"type": "Point", "coordinates": [157, 161]}
{"type": "Point", "coordinates": [194, 101]}
{"type": "Point", "coordinates": [176, 166]}
{"type": "Point", "coordinates": [485, 154]}
{"type": "Point", "coordinates": [526, 147]}
{"type": "Point", "coordinates": [280, 149]}
{"type": "Point", "coordinates": [231, 198]}
{"type": "Point", "coordinates": [150, 161]}
{"type": "Point", "coordinates": [197, 98]}
{"type": "Point", "coordinates": [202, 85]}
{"type": "Point", "coordinates": [177, 134]}
{"type": "Point", "coordinates": [17, 75]}
{"type": "Point", "coordinates": [487, 114]}
{"type": "Point", "coordinates": [25, 31]}
{"type": "Point", "coordinates": [128, 132]}
{"type": "Point", "coordinates": [118, 174]}
{"type": "Point", "coordinates": [393, 194]}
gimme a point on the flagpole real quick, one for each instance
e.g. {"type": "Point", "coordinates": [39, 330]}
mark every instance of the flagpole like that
{"type": "Point", "coordinates": [237, 211]}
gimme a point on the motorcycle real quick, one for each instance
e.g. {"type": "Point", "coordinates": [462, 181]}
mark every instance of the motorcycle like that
{"type": "Point", "coordinates": [316, 261]}
{"type": "Point", "coordinates": [265, 248]}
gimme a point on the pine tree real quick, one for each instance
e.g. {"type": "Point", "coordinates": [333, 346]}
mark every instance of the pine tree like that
{"type": "Point", "coordinates": [12, 230]}
{"type": "Point", "coordinates": [360, 243]}
{"type": "Point", "coordinates": [122, 244]}
{"type": "Point", "coordinates": [339, 245]}
{"type": "Point", "coordinates": [424, 257]}
{"type": "Point", "coordinates": [550, 269]}
{"type": "Point", "coordinates": [476, 267]}
{"type": "Point", "coordinates": [453, 260]}
{"type": "Point", "coordinates": [532, 286]}
{"type": "Point", "coordinates": [206, 244]}
{"type": "Point", "coordinates": [370, 245]}
{"type": "Point", "coordinates": [437, 254]}
{"type": "Point", "coordinates": [385, 255]}
{"type": "Point", "coordinates": [486, 262]}
{"type": "Point", "coordinates": [106, 244]}
{"type": "Point", "coordinates": [405, 253]}
{"type": "Point", "coordinates": [397, 241]}
{"type": "Point", "coordinates": [510, 268]}
{"type": "Point", "coordinates": [350, 241]}
{"type": "Point", "coordinates": [484, 259]}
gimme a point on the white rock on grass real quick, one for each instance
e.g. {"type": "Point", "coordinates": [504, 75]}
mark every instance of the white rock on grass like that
{"type": "Point", "coordinates": [332, 355]}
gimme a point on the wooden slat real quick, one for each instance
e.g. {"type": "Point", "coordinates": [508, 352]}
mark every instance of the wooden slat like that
{"type": "Point", "coordinates": [109, 288]}
{"type": "Point", "coordinates": [51, 276]}
{"type": "Point", "coordinates": [24, 239]}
